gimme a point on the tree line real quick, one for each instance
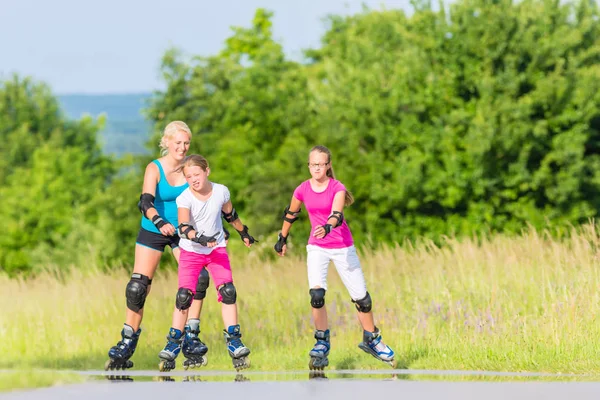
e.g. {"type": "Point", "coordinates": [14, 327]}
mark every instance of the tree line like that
{"type": "Point", "coordinates": [480, 116]}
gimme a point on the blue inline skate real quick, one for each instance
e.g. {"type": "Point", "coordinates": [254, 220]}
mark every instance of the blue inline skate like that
{"type": "Point", "coordinates": [373, 345]}
{"type": "Point", "coordinates": [171, 351]}
{"type": "Point", "coordinates": [238, 352]}
{"type": "Point", "coordinates": [192, 348]}
{"type": "Point", "coordinates": [120, 354]}
{"type": "Point", "coordinates": [320, 352]}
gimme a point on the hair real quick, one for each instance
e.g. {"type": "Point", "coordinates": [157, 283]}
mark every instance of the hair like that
{"type": "Point", "coordinates": [194, 160]}
{"type": "Point", "coordinates": [170, 130]}
{"type": "Point", "coordinates": [349, 198]}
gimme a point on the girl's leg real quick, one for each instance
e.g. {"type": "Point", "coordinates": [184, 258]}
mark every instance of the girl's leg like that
{"type": "Point", "coordinates": [220, 270]}
{"type": "Point", "coordinates": [196, 308]}
{"type": "Point", "coordinates": [219, 267]}
{"type": "Point", "coordinates": [229, 314]}
{"type": "Point", "coordinates": [317, 266]}
{"type": "Point", "coordinates": [348, 266]}
{"type": "Point", "coordinates": [146, 262]}
{"type": "Point", "coordinates": [188, 272]}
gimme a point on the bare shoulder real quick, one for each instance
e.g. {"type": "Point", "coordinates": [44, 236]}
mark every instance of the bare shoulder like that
{"type": "Point", "coordinates": [152, 173]}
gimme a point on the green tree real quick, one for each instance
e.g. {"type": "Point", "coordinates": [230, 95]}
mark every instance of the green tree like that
{"type": "Point", "coordinates": [485, 116]}
{"type": "Point", "coordinates": [51, 167]}
{"type": "Point", "coordinates": [248, 107]}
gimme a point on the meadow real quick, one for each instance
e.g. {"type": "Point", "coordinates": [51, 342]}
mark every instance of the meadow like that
{"type": "Point", "coordinates": [521, 303]}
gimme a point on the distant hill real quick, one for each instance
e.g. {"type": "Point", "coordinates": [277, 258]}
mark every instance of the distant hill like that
{"type": "Point", "coordinates": [126, 129]}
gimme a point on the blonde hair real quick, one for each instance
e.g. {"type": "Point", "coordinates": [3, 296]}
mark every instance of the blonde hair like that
{"type": "Point", "coordinates": [194, 160]}
{"type": "Point", "coordinates": [349, 198]}
{"type": "Point", "coordinates": [170, 130]}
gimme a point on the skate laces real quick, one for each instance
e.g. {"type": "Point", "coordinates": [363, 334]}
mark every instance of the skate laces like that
{"type": "Point", "coordinates": [379, 346]}
{"type": "Point", "coordinates": [124, 343]}
{"type": "Point", "coordinates": [236, 342]}
{"type": "Point", "coordinates": [171, 346]}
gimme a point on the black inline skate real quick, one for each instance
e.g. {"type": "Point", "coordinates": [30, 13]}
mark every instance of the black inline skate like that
{"type": "Point", "coordinates": [320, 352]}
{"type": "Point", "coordinates": [120, 354]}
{"type": "Point", "coordinates": [192, 348]}
{"type": "Point", "coordinates": [373, 345]}
{"type": "Point", "coordinates": [171, 351]}
{"type": "Point", "coordinates": [238, 352]}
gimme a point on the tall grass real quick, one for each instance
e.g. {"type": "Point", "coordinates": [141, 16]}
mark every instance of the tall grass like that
{"type": "Point", "coordinates": [525, 303]}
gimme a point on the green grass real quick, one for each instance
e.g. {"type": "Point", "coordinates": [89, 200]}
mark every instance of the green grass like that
{"type": "Point", "coordinates": [503, 304]}
{"type": "Point", "coordinates": [29, 379]}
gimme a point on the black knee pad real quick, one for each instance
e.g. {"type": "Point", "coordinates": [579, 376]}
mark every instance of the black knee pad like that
{"type": "Point", "coordinates": [203, 282]}
{"type": "Point", "coordinates": [136, 291]}
{"type": "Point", "coordinates": [184, 299]}
{"type": "Point", "coordinates": [317, 297]}
{"type": "Point", "coordinates": [363, 305]}
{"type": "Point", "coordinates": [228, 293]}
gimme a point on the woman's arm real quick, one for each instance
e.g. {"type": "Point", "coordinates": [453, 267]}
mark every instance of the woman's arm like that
{"type": "Point", "coordinates": [146, 203]}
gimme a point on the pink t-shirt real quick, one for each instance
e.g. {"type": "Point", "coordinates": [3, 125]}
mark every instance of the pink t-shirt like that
{"type": "Point", "coordinates": [318, 206]}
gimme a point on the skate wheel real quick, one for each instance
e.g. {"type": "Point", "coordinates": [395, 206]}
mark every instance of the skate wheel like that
{"type": "Point", "coordinates": [241, 363]}
{"type": "Point", "coordinates": [318, 363]}
{"type": "Point", "coordinates": [107, 365]}
{"type": "Point", "coordinates": [165, 366]}
{"type": "Point", "coordinates": [393, 363]}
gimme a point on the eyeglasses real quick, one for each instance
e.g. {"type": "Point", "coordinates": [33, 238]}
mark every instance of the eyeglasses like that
{"type": "Point", "coordinates": [317, 165]}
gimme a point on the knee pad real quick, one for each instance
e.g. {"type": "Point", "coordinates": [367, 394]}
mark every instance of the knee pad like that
{"type": "Point", "coordinates": [228, 293]}
{"type": "Point", "coordinates": [363, 305]}
{"type": "Point", "coordinates": [203, 282]}
{"type": "Point", "coordinates": [184, 299]}
{"type": "Point", "coordinates": [317, 297]}
{"type": "Point", "coordinates": [136, 291]}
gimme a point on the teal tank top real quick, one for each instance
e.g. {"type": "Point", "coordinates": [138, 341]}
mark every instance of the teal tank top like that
{"type": "Point", "coordinates": [164, 201]}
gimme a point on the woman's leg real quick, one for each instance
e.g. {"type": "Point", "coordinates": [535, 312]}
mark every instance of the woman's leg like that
{"type": "Point", "coordinates": [145, 264]}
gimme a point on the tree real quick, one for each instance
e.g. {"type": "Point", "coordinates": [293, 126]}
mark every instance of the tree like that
{"type": "Point", "coordinates": [51, 167]}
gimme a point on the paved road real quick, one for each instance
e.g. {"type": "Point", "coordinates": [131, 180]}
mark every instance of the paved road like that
{"type": "Point", "coordinates": [316, 389]}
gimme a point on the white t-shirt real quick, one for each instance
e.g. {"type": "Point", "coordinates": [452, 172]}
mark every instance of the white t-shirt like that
{"type": "Point", "coordinates": [205, 216]}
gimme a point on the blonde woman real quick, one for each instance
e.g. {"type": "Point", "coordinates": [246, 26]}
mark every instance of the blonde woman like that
{"type": "Point", "coordinates": [162, 184]}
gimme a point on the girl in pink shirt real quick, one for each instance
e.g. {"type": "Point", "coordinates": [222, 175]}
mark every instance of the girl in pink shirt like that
{"type": "Point", "coordinates": [324, 198]}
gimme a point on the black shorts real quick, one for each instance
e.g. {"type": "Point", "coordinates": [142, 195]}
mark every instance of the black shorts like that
{"type": "Point", "coordinates": [156, 241]}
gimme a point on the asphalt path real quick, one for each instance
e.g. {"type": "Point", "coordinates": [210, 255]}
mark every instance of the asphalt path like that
{"type": "Point", "coordinates": [292, 385]}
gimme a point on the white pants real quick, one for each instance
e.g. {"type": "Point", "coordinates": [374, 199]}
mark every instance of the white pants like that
{"type": "Point", "coordinates": [347, 264]}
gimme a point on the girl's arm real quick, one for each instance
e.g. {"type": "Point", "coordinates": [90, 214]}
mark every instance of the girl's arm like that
{"type": "Point", "coordinates": [233, 218]}
{"type": "Point", "coordinates": [289, 217]}
{"type": "Point", "coordinates": [335, 218]}
{"type": "Point", "coordinates": [187, 231]}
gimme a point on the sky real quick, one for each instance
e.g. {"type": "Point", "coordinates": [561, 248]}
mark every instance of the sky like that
{"type": "Point", "coordinates": [115, 46]}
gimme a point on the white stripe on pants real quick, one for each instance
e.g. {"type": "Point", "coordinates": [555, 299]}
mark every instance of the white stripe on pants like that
{"type": "Point", "coordinates": [347, 264]}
